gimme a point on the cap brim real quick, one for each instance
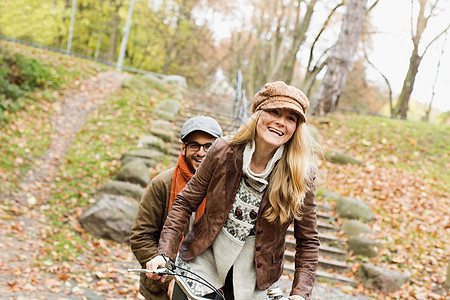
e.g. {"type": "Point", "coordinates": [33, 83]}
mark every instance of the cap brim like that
{"type": "Point", "coordinates": [283, 103]}
{"type": "Point", "coordinates": [211, 133]}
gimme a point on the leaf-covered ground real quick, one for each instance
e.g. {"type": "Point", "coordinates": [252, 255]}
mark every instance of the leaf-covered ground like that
{"type": "Point", "coordinates": [404, 178]}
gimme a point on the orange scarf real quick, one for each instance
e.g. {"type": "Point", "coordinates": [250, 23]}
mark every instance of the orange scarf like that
{"type": "Point", "coordinates": [181, 176]}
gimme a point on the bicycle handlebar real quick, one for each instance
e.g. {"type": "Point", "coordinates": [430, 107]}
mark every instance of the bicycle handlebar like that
{"type": "Point", "coordinates": [273, 294]}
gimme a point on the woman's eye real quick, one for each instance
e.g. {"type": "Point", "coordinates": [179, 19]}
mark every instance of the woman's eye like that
{"type": "Point", "coordinates": [274, 111]}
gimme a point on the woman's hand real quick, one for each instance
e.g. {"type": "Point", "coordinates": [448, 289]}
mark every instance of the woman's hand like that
{"type": "Point", "coordinates": [296, 297]}
{"type": "Point", "coordinates": [153, 264]}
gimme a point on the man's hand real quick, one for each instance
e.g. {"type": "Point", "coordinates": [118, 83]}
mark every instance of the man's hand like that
{"type": "Point", "coordinates": [170, 289]}
{"type": "Point", "coordinates": [155, 263]}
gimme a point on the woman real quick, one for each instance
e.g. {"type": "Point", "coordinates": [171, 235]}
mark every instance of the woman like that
{"type": "Point", "coordinates": [256, 183]}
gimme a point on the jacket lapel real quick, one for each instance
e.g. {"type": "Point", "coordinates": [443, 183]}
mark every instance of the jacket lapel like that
{"type": "Point", "coordinates": [234, 162]}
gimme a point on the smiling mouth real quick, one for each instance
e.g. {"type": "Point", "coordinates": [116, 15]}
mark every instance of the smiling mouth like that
{"type": "Point", "coordinates": [199, 160]}
{"type": "Point", "coordinates": [276, 131]}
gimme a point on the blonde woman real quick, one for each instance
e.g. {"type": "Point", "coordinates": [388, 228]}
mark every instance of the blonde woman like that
{"type": "Point", "coordinates": [256, 183]}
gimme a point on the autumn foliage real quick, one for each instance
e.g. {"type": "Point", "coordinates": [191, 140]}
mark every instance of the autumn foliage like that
{"type": "Point", "coordinates": [404, 178]}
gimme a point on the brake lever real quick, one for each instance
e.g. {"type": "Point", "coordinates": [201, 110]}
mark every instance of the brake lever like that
{"type": "Point", "coordinates": [159, 271]}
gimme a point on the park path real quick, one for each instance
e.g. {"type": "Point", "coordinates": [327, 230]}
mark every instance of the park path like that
{"type": "Point", "coordinates": [20, 235]}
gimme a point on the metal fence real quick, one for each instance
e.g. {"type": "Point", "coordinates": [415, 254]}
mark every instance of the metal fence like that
{"type": "Point", "coordinates": [240, 101]}
{"type": "Point", "coordinates": [108, 63]}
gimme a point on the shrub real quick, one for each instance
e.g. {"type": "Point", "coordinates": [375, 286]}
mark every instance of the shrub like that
{"type": "Point", "coordinates": [19, 75]}
{"type": "Point", "coordinates": [32, 73]}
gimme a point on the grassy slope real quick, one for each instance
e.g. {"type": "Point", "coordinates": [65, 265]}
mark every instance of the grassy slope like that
{"type": "Point", "coordinates": [27, 135]}
{"type": "Point", "coordinates": [417, 147]}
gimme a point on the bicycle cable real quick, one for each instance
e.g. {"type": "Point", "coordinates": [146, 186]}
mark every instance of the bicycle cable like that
{"type": "Point", "coordinates": [201, 281]}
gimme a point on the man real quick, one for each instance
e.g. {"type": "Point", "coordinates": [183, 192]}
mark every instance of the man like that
{"type": "Point", "coordinates": [197, 135]}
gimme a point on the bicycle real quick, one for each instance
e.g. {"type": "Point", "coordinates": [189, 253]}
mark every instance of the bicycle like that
{"type": "Point", "coordinates": [170, 267]}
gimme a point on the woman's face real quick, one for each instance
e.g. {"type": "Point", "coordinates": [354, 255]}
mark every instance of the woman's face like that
{"type": "Point", "coordinates": [275, 127]}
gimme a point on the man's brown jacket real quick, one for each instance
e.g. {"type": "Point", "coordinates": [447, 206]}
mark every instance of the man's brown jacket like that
{"type": "Point", "coordinates": [147, 226]}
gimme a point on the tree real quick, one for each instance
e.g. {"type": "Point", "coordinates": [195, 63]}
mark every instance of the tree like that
{"type": "Point", "coordinates": [267, 47]}
{"type": "Point", "coordinates": [313, 69]}
{"type": "Point", "coordinates": [299, 36]}
{"type": "Point", "coordinates": [327, 96]}
{"type": "Point", "coordinates": [427, 10]}
{"type": "Point", "coordinates": [426, 117]}
{"type": "Point", "coordinates": [31, 20]}
{"type": "Point", "coordinates": [114, 30]}
{"type": "Point", "coordinates": [358, 93]}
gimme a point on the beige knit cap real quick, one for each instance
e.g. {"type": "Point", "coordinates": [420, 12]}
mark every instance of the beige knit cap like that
{"type": "Point", "coordinates": [280, 95]}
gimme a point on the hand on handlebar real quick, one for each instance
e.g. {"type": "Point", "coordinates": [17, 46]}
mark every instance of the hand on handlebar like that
{"type": "Point", "coordinates": [296, 297]}
{"type": "Point", "coordinates": [153, 264]}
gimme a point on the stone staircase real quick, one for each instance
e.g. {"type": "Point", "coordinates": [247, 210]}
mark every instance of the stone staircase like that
{"type": "Point", "coordinates": [220, 107]}
{"type": "Point", "coordinates": [332, 254]}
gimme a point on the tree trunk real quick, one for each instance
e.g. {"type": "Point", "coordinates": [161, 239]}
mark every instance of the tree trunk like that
{"type": "Point", "coordinates": [330, 89]}
{"type": "Point", "coordinates": [171, 50]}
{"type": "Point", "coordinates": [310, 79]}
{"type": "Point", "coordinates": [98, 44]}
{"type": "Point", "coordinates": [61, 34]}
{"type": "Point", "coordinates": [112, 49]}
{"type": "Point", "coordinates": [312, 71]}
{"type": "Point", "coordinates": [114, 35]}
{"type": "Point", "coordinates": [299, 38]}
{"type": "Point", "coordinates": [401, 108]}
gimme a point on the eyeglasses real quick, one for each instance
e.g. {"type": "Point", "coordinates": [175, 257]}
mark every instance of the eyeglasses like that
{"type": "Point", "coordinates": [194, 147]}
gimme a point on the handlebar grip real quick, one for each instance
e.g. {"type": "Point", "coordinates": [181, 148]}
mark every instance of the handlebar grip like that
{"type": "Point", "coordinates": [159, 271]}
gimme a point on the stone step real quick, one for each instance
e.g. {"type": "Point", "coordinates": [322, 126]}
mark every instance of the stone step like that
{"type": "Point", "coordinates": [228, 126]}
{"type": "Point", "coordinates": [324, 263]}
{"type": "Point", "coordinates": [221, 114]}
{"type": "Point", "coordinates": [332, 252]}
{"type": "Point", "coordinates": [331, 240]}
{"type": "Point", "coordinates": [204, 102]}
{"type": "Point", "coordinates": [324, 250]}
{"type": "Point", "coordinates": [324, 238]}
{"type": "Point", "coordinates": [335, 278]}
{"type": "Point", "coordinates": [321, 275]}
{"type": "Point", "coordinates": [323, 207]}
{"type": "Point", "coordinates": [322, 227]}
{"type": "Point", "coordinates": [325, 217]}
{"type": "Point", "coordinates": [226, 121]}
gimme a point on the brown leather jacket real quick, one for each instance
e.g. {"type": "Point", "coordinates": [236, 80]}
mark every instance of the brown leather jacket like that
{"type": "Point", "coordinates": [218, 178]}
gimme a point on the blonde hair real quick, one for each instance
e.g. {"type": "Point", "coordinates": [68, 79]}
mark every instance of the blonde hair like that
{"type": "Point", "coordinates": [285, 196]}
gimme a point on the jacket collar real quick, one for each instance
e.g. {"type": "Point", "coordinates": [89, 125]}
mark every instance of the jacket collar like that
{"type": "Point", "coordinates": [234, 162]}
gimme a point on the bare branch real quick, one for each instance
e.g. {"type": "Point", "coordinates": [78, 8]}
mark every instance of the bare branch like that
{"type": "Point", "coordinates": [324, 26]}
{"type": "Point", "coordinates": [433, 90]}
{"type": "Point", "coordinates": [436, 38]}
{"type": "Point", "coordinates": [384, 77]}
{"type": "Point", "coordinates": [412, 23]}
{"type": "Point", "coordinates": [433, 7]}
{"type": "Point", "coordinates": [372, 6]}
